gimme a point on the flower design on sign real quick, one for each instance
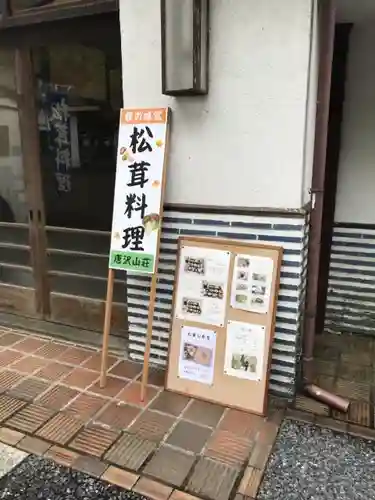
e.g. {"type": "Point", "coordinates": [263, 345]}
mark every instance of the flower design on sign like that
{"type": "Point", "coordinates": [126, 155]}
{"type": "Point", "coordinates": [151, 223]}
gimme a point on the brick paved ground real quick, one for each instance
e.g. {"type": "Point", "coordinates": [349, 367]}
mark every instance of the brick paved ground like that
{"type": "Point", "coordinates": [345, 365]}
{"type": "Point", "coordinates": [169, 446]}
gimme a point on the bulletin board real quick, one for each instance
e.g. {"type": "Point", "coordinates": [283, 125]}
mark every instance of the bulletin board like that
{"type": "Point", "coordinates": [223, 322]}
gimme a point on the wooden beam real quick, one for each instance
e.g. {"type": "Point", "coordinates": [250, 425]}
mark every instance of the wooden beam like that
{"type": "Point", "coordinates": [33, 177]}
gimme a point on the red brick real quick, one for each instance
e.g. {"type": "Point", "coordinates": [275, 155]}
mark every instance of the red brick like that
{"type": "Point", "coordinates": [9, 379]}
{"type": "Point", "coordinates": [95, 362]}
{"type": "Point", "coordinates": [29, 364]}
{"type": "Point", "coordinates": [30, 418]}
{"type": "Point", "coordinates": [60, 429]}
{"type": "Point", "coordinates": [8, 357]}
{"type": "Point", "coordinates": [126, 369]}
{"type": "Point", "coordinates": [33, 445]}
{"type": "Point", "coordinates": [180, 495]}
{"type": "Point", "coordinates": [30, 345]}
{"type": "Point", "coordinates": [75, 356]}
{"type": "Point", "coordinates": [52, 350]}
{"type": "Point", "coordinates": [228, 448]}
{"type": "Point", "coordinates": [152, 425]}
{"type": "Point", "coordinates": [54, 372]}
{"type": "Point", "coordinates": [170, 465]}
{"type": "Point", "coordinates": [9, 436]}
{"type": "Point", "coordinates": [118, 416]}
{"type": "Point", "coordinates": [250, 482]}
{"type": "Point", "coordinates": [90, 465]}
{"type": "Point", "coordinates": [81, 378]}
{"type": "Point", "coordinates": [62, 456]}
{"type": "Point", "coordinates": [29, 388]}
{"type": "Point", "coordinates": [259, 456]}
{"type": "Point", "coordinates": [112, 388]}
{"type": "Point", "coordinates": [152, 489]}
{"type": "Point", "coordinates": [86, 406]}
{"type": "Point", "coordinates": [244, 425]}
{"type": "Point", "coordinates": [204, 413]}
{"type": "Point", "coordinates": [9, 339]}
{"type": "Point", "coordinates": [268, 433]}
{"type": "Point", "coordinates": [9, 406]}
{"type": "Point", "coordinates": [94, 440]}
{"type": "Point", "coordinates": [156, 376]}
{"type": "Point", "coordinates": [171, 403]}
{"type": "Point", "coordinates": [58, 397]}
{"type": "Point", "coordinates": [120, 477]}
{"type": "Point", "coordinates": [132, 394]}
{"type": "Point", "coordinates": [188, 436]}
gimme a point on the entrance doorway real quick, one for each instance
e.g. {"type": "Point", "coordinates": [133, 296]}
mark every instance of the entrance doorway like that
{"type": "Point", "coordinates": [345, 347]}
{"type": "Point", "coordinates": [60, 96]}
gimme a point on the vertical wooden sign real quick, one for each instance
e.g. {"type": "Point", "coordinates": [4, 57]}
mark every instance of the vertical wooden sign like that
{"type": "Point", "coordinates": [137, 209]}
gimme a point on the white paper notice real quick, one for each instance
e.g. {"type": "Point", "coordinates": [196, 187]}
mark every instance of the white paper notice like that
{"type": "Point", "coordinates": [197, 354]}
{"type": "Point", "coordinates": [203, 284]}
{"type": "Point", "coordinates": [251, 285]}
{"type": "Point", "coordinates": [244, 350]}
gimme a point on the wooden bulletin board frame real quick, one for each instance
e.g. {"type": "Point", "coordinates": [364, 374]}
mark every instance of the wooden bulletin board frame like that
{"type": "Point", "coordinates": [248, 395]}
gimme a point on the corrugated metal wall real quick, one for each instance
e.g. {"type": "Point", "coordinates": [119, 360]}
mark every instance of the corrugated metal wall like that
{"type": "Point", "coordinates": [351, 290]}
{"type": "Point", "coordinates": [291, 233]}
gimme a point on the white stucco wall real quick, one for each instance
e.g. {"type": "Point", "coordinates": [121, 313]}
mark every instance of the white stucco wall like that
{"type": "Point", "coordinates": [243, 144]}
{"type": "Point", "coordinates": [356, 178]}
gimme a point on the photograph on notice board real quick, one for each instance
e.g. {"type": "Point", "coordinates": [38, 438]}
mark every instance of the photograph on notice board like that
{"type": "Point", "coordinates": [202, 286]}
{"type": "Point", "coordinates": [244, 350]}
{"type": "Point", "coordinates": [197, 354]}
{"type": "Point", "coordinates": [212, 290]}
{"type": "Point", "coordinates": [251, 284]}
{"type": "Point", "coordinates": [243, 262]}
{"type": "Point", "coordinates": [194, 265]}
{"type": "Point", "coordinates": [192, 306]}
{"type": "Point", "coordinates": [244, 363]}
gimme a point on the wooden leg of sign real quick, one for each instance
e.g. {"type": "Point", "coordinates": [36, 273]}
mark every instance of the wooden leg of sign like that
{"type": "Point", "coordinates": [146, 359]}
{"type": "Point", "coordinates": [107, 327]}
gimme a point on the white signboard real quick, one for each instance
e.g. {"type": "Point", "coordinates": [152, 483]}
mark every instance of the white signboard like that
{"type": "Point", "coordinates": [244, 350]}
{"type": "Point", "coordinates": [251, 285]}
{"type": "Point", "coordinates": [197, 354]}
{"type": "Point", "coordinates": [203, 284]}
{"type": "Point", "coordinates": [136, 221]}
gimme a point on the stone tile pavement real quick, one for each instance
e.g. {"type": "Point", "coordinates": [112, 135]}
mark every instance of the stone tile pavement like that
{"type": "Point", "coordinates": [345, 365]}
{"type": "Point", "coordinates": [168, 447]}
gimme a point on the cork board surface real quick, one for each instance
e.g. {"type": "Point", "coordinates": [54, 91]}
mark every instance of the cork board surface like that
{"type": "Point", "coordinates": [225, 389]}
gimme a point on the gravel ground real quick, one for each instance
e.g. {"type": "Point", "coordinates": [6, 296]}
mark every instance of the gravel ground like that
{"type": "Point", "coordinates": [317, 464]}
{"type": "Point", "coordinates": [36, 478]}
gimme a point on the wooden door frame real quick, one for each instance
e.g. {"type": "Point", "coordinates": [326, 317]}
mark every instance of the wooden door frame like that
{"type": "Point", "coordinates": [33, 177]}
{"type": "Point", "coordinates": [336, 110]}
{"type": "Point", "coordinates": [22, 40]}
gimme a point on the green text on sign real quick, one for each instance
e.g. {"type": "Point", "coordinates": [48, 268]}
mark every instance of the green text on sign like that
{"type": "Point", "coordinates": [132, 261]}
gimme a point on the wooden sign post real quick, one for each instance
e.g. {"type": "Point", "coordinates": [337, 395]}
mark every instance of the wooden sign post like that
{"type": "Point", "coordinates": [223, 321]}
{"type": "Point", "coordinates": [137, 210]}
